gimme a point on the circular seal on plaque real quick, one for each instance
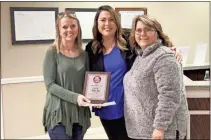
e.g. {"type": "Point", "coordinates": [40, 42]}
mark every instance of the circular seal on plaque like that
{"type": "Point", "coordinates": [97, 79]}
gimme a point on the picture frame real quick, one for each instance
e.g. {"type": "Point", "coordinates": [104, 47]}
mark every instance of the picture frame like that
{"type": "Point", "coordinates": [96, 87]}
{"type": "Point", "coordinates": [127, 15]}
{"type": "Point", "coordinates": [86, 25]}
{"type": "Point", "coordinates": [33, 25]}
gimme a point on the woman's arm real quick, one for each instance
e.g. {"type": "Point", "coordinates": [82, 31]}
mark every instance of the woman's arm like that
{"type": "Point", "coordinates": [49, 73]}
{"type": "Point", "coordinates": [168, 79]}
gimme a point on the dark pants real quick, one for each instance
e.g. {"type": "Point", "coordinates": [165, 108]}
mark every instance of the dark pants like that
{"type": "Point", "coordinates": [59, 132]}
{"type": "Point", "coordinates": [115, 129]}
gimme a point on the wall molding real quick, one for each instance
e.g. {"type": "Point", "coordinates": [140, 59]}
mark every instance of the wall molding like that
{"type": "Point", "coordinates": [199, 112]}
{"type": "Point", "coordinates": [17, 80]}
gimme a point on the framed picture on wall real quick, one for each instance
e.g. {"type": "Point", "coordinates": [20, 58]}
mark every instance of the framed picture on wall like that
{"type": "Point", "coordinates": [86, 17]}
{"type": "Point", "coordinates": [127, 15]}
{"type": "Point", "coordinates": [33, 25]}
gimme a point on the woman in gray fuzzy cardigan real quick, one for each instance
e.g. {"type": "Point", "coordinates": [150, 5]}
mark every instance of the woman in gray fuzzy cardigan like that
{"type": "Point", "coordinates": [155, 101]}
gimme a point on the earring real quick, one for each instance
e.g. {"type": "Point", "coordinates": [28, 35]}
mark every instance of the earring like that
{"type": "Point", "coordinates": [159, 40]}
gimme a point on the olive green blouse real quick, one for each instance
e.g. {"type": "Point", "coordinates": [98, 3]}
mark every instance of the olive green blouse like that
{"type": "Point", "coordinates": [64, 78]}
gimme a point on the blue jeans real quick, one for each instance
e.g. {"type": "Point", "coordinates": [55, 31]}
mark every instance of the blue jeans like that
{"type": "Point", "coordinates": [59, 132]}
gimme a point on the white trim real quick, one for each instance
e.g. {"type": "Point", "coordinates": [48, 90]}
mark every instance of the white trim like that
{"type": "Point", "coordinates": [199, 112]}
{"type": "Point", "coordinates": [15, 81]}
{"type": "Point", "coordinates": [22, 80]}
{"type": "Point", "coordinates": [198, 94]}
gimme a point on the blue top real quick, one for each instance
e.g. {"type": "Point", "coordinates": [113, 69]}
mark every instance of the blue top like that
{"type": "Point", "coordinates": [115, 64]}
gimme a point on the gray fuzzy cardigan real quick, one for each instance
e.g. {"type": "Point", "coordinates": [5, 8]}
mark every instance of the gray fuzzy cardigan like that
{"type": "Point", "coordinates": [155, 95]}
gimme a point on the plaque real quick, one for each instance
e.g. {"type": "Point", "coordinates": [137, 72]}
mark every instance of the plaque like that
{"type": "Point", "coordinates": [96, 87]}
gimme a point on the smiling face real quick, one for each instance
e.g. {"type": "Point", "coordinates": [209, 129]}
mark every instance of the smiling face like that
{"type": "Point", "coordinates": [106, 24]}
{"type": "Point", "coordinates": [68, 29]}
{"type": "Point", "coordinates": [145, 36]}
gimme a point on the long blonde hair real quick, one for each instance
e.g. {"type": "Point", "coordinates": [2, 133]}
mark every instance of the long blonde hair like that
{"type": "Point", "coordinates": [57, 42]}
{"type": "Point", "coordinates": [97, 36]}
{"type": "Point", "coordinates": [152, 23]}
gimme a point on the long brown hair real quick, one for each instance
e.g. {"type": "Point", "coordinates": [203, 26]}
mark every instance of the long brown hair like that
{"type": "Point", "coordinates": [152, 23]}
{"type": "Point", "coordinates": [57, 41]}
{"type": "Point", "coordinates": [97, 36]}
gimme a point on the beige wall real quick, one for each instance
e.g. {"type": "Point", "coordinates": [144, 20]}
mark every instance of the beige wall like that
{"type": "Point", "coordinates": [186, 23]}
{"type": "Point", "coordinates": [22, 109]}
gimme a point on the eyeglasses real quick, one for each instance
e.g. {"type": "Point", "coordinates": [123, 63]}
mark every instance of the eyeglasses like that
{"type": "Point", "coordinates": [68, 13]}
{"type": "Point", "coordinates": [145, 30]}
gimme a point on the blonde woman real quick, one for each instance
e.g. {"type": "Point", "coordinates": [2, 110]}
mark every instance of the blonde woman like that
{"type": "Point", "coordinates": [155, 100]}
{"type": "Point", "coordinates": [65, 115]}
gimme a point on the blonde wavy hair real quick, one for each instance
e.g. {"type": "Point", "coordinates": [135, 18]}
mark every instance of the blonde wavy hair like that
{"type": "Point", "coordinates": [97, 36]}
{"type": "Point", "coordinates": [57, 42]}
{"type": "Point", "coordinates": [151, 23]}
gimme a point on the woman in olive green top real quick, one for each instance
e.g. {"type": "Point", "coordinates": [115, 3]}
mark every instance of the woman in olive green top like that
{"type": "Point", "coordinates": [66, 115]}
